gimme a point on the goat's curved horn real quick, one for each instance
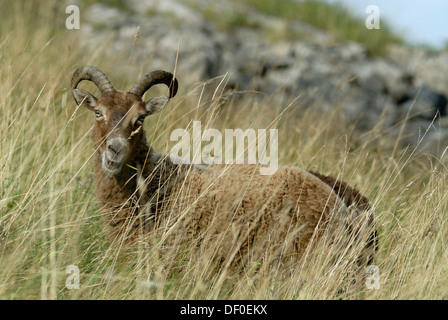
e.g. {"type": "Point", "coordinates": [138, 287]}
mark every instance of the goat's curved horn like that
{"type": "Point", "coordinates": [93, 74]}
{"type": "Point", "coordinates": [153, 78]}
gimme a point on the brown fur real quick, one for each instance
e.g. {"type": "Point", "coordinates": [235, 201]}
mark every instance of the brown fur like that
{"type": "Point", "coordinates": [117, 107]}
{"type": "Point", "coordinates": [233, 206]}
{"type": "Point", "coordinates": [350, 195]}
{"type": "Point", "coordinates": [353, 198]}
{"type": "Point", "coordinates": [233, 212]}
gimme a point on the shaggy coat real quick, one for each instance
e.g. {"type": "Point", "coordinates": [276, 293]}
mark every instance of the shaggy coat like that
{"type": "Point", "coordinates": [230, 211]}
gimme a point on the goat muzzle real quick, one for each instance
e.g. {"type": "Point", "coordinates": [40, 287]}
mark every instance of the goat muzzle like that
{"type": "Point", "coordinates": [114, 155]}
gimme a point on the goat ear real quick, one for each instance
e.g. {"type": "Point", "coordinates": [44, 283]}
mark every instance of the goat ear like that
{"type": "Point", "coordinates": [156, 104]}
{"type": "Point", "coordinates": [84, 98]}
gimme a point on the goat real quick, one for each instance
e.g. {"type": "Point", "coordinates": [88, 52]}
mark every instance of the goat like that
{"type": "Point", "coordinates": [141, 191]}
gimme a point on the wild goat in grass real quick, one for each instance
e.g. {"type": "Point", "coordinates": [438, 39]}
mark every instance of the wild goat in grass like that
{"type": "Point", "coordinates": [233, 212]}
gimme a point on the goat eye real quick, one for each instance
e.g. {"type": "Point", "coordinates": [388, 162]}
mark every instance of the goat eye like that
{"type": "Point", "coordinates": [98, 114]}
{"type": "Point", "coordinates": [140, 120]}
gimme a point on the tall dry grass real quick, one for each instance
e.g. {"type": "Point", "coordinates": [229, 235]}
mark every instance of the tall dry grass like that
{"type": "Point", "coordinates": [50, 219]}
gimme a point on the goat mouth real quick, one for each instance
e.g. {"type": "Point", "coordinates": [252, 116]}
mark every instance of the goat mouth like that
{"type": "Point", "coordinates": [111, 166]}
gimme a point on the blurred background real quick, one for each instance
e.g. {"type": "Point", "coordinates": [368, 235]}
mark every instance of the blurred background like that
{"type": "Point", "coordinates": [321, 51]}
{"type": "Point", "coordinates": [419, 23]}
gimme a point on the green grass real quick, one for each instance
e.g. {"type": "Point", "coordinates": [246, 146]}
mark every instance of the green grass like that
{"type": "Point", "coordinates": [119, 4]}
{"type": "Point", "coordinates": [50, 219]}
{"type": "Point", "coordinates": [334, 18]}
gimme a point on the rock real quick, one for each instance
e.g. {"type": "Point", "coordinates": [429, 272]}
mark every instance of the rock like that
{"type": "Point", "coordinates": [429, 68]}
{"type": "Point", "coordinates": [172, 8]}
{"type": "Point", "coordinates": [382, 76]}
{"type": "Point", "coordinates": [423, 103]}
{"type": "Point", "coordinates": [102, 16]}
{"type": "Point", "coordinates": [410, 84]}
{"type": "Point", "coordinates": [350, 52]}
{"type": "Point", "coordinates": [424, 136]}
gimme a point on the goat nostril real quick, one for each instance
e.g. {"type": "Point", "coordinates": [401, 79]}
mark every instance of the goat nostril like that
{"type": "Point", "coordinates": [116, 149]}
{"type": "Point", "coordinates": [112, 149]}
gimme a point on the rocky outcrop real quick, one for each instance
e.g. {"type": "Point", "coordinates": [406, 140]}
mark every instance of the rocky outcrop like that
{"type": "Point", "coordinates": [409, 84]}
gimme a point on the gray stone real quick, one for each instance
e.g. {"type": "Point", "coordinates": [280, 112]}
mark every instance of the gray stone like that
{"type": "Point", "coordinates": [423, 103]}
{"type": "Point", "coordinates": [408, 85]}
